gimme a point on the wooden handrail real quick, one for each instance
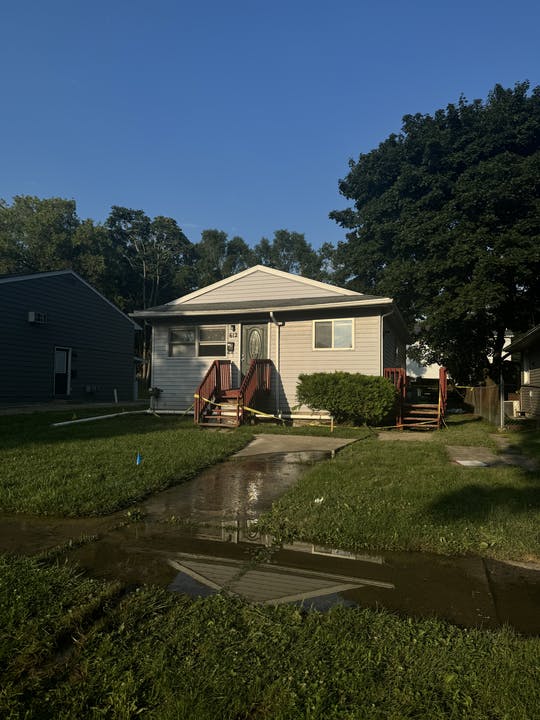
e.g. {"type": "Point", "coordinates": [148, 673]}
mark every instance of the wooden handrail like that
{"type": "Point", "coordinates": [443, 390]}
{"type": "Point", "coordinates": [257, 379]}
{"type": "Point", "coordinates": [398, 377]}
{"type": "Point", "coordinates": [218, 378]}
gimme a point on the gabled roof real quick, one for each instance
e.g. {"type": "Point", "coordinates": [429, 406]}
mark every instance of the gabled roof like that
{"type": "Point", "coordinates": [256, 305]}
{"type": "Point", "coordinates": [262, 289]}
{"type": "Point", "coordinates": [323, 288]}
{"type": "Point", "coordinates": [524, 341]}
{"type": "Point", "coordinates": [4, 279]}
{"type": "Point", "coordinates": [256, 286]}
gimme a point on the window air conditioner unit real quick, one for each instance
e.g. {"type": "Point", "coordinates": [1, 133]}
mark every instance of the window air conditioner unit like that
{"type": "Point", "coordinates": [37, 317]}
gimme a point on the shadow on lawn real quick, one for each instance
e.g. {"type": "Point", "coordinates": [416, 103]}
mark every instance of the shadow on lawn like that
{"type": "Point", "coordinates": [456, 420]}
{"type": "Point", "coordinates": [16, 431]}
{"type": "Point", "coordinates": [476, 502]}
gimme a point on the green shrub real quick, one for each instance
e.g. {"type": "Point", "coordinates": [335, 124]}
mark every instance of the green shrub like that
{"type": "Point", "coordinates": [350, 397]}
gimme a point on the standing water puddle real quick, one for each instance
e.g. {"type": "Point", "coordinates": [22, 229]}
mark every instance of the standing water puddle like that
{"type": "Point", "coordinates": [201, 537]}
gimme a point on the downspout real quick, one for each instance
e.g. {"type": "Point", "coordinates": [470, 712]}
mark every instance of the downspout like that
{"type": "Point", "coordinates": [278, 354]}
{"type": "Point", "coordinates": [381, 336]}
{"type": "Point", "coordinates": [501, 391]}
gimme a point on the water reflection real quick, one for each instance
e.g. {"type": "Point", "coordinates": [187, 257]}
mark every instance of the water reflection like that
{"type": "Point", "coordinates": [202, 536]}
{"type": "Point", "coordinates": [243, 487]}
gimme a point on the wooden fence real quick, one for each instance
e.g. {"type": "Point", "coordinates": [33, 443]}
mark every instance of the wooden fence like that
{"type": "Point", "coordinates": [485, 401]}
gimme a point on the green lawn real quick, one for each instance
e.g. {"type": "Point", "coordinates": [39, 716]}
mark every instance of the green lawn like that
{"type": "Point", "coordinates": [91, 468]}
{"type": "Point", "coordinates": [375, 495]}
{"type": "Point", "coordinates": [74, 648]}
{"type": "Point", "coordinates": [408, 496]}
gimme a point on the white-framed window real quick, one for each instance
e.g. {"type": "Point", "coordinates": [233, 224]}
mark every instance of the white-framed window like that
{"type": "Point", "coordinates": [333, 334]}
{"type": "Point", "coordinates": [197, 341]}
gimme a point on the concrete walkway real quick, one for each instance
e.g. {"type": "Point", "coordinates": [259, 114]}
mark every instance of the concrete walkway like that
{"type": "Point", "coordinates": [477, 457]}
{"type": "Point", "coordinates": [269, 443]}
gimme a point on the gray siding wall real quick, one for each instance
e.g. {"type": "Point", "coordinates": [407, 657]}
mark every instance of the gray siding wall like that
{"type": "Point", "coordinates": [530, 393]}
{"type": "Point", "coordinates": [101, 340]}
{"type": "Point", "coordinates": [179, 378]}
{"type": "Point", "coordinates": [394, 350]}
{"type": "Point", "coordinates": [263, 286]}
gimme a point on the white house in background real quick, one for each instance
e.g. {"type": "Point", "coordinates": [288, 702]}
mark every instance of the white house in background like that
{"type": "Point", "coordinates": [297, 324]}
{"type": "Point", "coordinates": [425, 372]}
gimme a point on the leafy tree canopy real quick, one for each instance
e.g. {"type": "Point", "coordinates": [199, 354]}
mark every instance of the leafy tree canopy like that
{"type": "Point", "coordinates": [150, 257]}
{"type": "Point", "coordinates": [290, 252]}
{"type": "Point", "coordinates": [446, 219]}
{"type": "Point", "coordinates": [41, 235]}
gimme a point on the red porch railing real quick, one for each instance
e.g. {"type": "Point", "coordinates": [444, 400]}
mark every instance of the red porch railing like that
{"type": "Point", "coordinates": [217, 379]}
{"type": "Point", "coordinates": [398, 377]}
{"type": "Point", "coordinates": [443, 392]}
{"type": "Point", "coordinates": [257, 379]}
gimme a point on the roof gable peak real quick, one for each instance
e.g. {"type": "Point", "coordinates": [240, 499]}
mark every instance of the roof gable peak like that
{"type": "Point", "coordinates": [269, 271]}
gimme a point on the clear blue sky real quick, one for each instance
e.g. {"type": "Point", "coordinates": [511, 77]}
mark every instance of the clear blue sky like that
{"type": "Point", "coordinates": [238, 115]}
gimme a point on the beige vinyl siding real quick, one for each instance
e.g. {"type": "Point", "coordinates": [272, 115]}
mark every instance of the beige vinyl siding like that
{"type": "Point", "coordinates": [298, 355]}
{"type": "Point", "coordinates": [262, 286]}
{"type": "Point", "coordinates": [179, 377]}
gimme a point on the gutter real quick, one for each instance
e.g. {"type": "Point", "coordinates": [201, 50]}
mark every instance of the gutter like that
{"type": "Point", "coordinates": [278, 325]}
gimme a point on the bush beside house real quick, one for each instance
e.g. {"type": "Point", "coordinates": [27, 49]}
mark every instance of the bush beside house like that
{"type": "Point", "coordinates": [349, 397]}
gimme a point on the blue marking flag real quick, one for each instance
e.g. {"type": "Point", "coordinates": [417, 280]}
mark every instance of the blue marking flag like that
{"type": "Point", "coordinates": [139, 458]}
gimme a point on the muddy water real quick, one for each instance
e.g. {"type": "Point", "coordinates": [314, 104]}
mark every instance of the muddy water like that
{"type": "Point", "coordinates": [201, 537]}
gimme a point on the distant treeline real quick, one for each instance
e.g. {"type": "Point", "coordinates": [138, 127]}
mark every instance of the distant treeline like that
{"type": "Point", "coordinates": [134, 260]}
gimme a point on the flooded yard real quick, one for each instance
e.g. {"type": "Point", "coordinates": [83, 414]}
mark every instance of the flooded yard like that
{"type": "Point", "coordinates": [201, 537]}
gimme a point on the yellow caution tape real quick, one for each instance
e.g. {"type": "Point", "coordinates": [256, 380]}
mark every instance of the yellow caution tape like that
{"type": "Point", "coordinates": [244, 407]}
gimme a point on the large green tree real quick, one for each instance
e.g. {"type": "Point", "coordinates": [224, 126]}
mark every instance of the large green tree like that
{"type": "Point", "coordinates": [149, 258]}
{"type": "Point", "coordinates": [289, 251]}
{"type": "Point", "coordinates": [446, 219]}
{"type": "Point", "coordinates": [38, 235]}
{"type": "Point", "coordinates": [216, 257]}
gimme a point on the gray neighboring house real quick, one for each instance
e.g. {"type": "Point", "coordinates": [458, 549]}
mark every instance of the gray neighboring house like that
{"type": "Point", "coordinates": [62, 339]}
{"type": "Point", "coordinates": [298, 324]}
{"type": "Point", "coordinates": [526, 350]}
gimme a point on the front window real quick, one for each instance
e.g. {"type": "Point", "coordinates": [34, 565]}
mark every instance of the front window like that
{"type": "Point", "coordinates": [333, 334]}
{"type": "Point", "coordinates": [212, 341]}
{"type": "Point", "coordinates": [202, 341]}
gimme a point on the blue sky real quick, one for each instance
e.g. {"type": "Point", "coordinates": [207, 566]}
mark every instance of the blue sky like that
{"type": "Point", "coordinates": [235, 115]}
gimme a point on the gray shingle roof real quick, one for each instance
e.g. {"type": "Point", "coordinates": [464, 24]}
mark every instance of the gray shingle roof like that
{"type": "Point", "coordinates": [261, 305]}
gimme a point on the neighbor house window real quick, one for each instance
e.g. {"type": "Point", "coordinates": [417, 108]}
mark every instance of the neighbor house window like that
{"type": "Point", "coordinates": [203, 341]}
{"type": "Point", "coordinates": [333, 334]}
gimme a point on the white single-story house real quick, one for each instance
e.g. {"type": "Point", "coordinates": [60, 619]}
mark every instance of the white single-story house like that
{"type": "Point", "coordinates": [290, 323]}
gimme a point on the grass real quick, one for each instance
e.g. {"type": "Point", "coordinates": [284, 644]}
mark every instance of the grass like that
{"type": "Point", "coordinates": [91, 468]}
{"type": "Point", "coordinates": [376, 495]}
{"type": "Point", "coordinates": [408, 496]}
{"type": "Point", "coordinates": [155, 655]}
{"type": "Point", "coordinates": [528, 442]}
{"type": "Point", "coordinates": [74, 647]}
